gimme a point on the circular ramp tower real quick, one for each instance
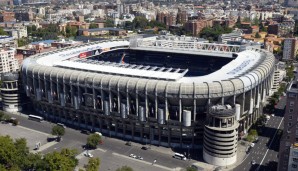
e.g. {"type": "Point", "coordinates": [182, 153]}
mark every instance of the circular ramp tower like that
{"type": "Point", "coordinates": [221, 135]}
{"type": "Point", "coordinates": [10, 93]}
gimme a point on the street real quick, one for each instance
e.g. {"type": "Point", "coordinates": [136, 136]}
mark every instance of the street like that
{"type": "Point", "coordinates": [75, 139]}
{"type": "Point", "coordinates": [265, 151]}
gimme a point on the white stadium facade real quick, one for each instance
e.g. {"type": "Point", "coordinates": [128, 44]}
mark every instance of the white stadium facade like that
{"type": "Point", "coordinates": [173, 93]}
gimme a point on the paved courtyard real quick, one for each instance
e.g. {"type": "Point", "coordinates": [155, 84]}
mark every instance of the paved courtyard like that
{"type": "Point", "coordinates": [30, 135]}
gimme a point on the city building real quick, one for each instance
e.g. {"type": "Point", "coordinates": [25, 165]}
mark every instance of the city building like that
{"type": "Point", "coordinates": [279, 75]}
{"type": "Point", "coordinates": [17, 33]}
{"type": "Point", "coordinates": [293, 157]}
{"type": "Point", "coordinates": [290, 49]}
{"type": "Point", "coordinates": [6, 16]}
{"type": "Point", "coordinates": [7, 42]}
{"type": "Point", "coordinates": [196, 26]}
{"type": "Point", "coordinates": [281, 29]}
{"type": "Point", "coordinates": [289, 135]}
{"type": "Point", "coordinates": [102, 31]}
{"type": "Point", "coordinates": [236, 35]}
{"type": "Point", "coordinates": [8, 63]}
{"type": "Point", "coordinates": [160, 89]}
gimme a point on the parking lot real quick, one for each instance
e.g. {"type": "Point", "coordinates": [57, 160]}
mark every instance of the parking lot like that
{"type": "Point", "coordinates": [31, 136]}
{"type": "Point", "coordinates": [112, 161]}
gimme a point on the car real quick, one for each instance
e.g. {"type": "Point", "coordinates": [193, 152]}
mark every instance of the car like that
{"type": "Point", "coordinates": [144, 148]}
{"type": "Point", "coordinates": [87, 154]}
{"type": "Point", "coordinates": [140, 158]}
{"type": "Point", "coordinates": [132, 155]}
{"type": "Point", "coordinates": [84, 131]}
{"type": "Point", "coordinates": [252, 144]}
{"type": "Point", "coordinates": [62, 125]}
{"type": "Point", "coordinates": [128, 143]}
{"type": "Point", "coordinates": [272, 115]}
{"type": "Point", "coordinates": [253, 162]}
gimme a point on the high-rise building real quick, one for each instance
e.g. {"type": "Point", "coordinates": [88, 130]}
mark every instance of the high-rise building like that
{"type": "Point", "coordinates": [293, 157]}
{"type": "Point", "coordinates": [290, 48]}
{"type": "Point", "coordinates": [290, 133]}
{"type": "Point", "coordinates": [8, 63]}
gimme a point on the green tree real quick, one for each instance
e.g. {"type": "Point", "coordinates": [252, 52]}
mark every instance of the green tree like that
{"type": "Point", "coordinates": [2, 32]}
{"type": "Point", "coordinates": [22, 151]}
{"type": "Point", "coordinates": [93, 25]}
{"type": "Point", "coordinates": [255, 21]}
{"type": "Point", "coordinates": [109, 23]}
{"type": "Point", "coordinates": [71, 31]}
{"type": "Point", "coordinates": [58, 130]}
{"type": "Point", "coordinates": [249, 138]}
{"type": "Point", "coordinates": [212, 33]}
{"type": "Point", "coordinates": [253, 133]}
{"type": "Point", "coordinates": [140, 23]}
{"type": "Point", "coordinates": [190, 169]}
{"type": "Point", "coordinates": [8, 153]}
{"type": "Point", "coordinates": [64, 160]}
{"type": "Point", "coordinates": [93, 164]}
{"type": "Point", "coordinates": [257, 35]}
{"type": "Point", "coordinates": [246, 19]}
{"type": "Point", "coordinates": [93, 140]}
{"type": "Point", "coordinates": [22, 42]}
{"type": "Point", "coordinates": [125, 168]}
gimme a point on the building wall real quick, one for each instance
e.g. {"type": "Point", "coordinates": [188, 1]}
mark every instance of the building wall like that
{"type": "Point", "coordinates": [7, 61]}
{"type": "Point", "coordinates": [290, 127]}
{"type": "Point", "coordinates": [290, 49]}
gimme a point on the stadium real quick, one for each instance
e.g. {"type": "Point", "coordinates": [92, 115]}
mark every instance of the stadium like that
{"type": "Point", "coordinates": [168, 92]}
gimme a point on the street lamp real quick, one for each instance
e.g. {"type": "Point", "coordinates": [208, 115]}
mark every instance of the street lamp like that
{"type": "Point", "coordinates": [188, 152]}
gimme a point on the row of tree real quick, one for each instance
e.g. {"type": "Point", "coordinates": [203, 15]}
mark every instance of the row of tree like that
{"type": "Point", "coordinates": [213, 33]}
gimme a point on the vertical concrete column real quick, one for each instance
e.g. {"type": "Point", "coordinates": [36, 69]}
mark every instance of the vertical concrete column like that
{"type": "Point", "coordinates": [251, 104]}
{"type": "Point", "coordinates": [166, 110]}
{"type": "Point", "coordinates": [180, 110]}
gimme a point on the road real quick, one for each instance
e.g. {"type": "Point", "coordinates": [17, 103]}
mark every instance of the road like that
{"type": "Point", "coordinates": [75, 139]}
{"type": "Point", "coordinates": [265, 150]}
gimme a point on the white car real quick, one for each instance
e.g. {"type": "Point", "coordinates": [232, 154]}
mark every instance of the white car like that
{"type": "Point", "coordinates": [253, 162]}
{"type": "Point", "coordinates": [272, 115]}
{"type": "Point", "coordinates": [133, 156]}
{"type": "Point", "coordinates": [87, 154]}
{"type": "Point", "coordinates": [140, 158]}
{"type": "Point", "coordinates": [252, 144]}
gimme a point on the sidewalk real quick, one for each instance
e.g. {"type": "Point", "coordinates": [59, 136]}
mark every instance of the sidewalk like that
{"type": "Point", "coordinates": [44, 147]}
{"type": "Point", "coordinates": [241, 155]}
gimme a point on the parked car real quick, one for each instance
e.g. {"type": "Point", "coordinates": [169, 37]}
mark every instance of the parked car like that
{"type": "Point", "coordinates": [252, 144]}
{"type": "Point", "coordinates": [253, 162]}
{"type": "Point", "coordinates": [133, 156]}
{"type": "Point", "coordinates": [144, 148]}
{"type": "Point", "coordinates": [128, 143]}
{"type": "Point", "coordinates": [140, 158]}
{"type": "Point", "coordinates": [84, 131]}
{"type": "Point", "coordinates": [87, 154]}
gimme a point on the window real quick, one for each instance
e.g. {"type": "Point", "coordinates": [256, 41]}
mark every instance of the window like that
{"type": "Point", "coordinates": [294, 165]}
{"type": "Point", "coordinates": [290, 117]}
{"type": "Point", "coordinates": [292, 95]}
{"type": "Point", "coordinates": [290, 123]}
{"type": "Point", "coordinates": [295, 159]}
{"type": "Point", "coordinates": [291, 110]}
{"type": "Point", "coordinates": [291, 103]}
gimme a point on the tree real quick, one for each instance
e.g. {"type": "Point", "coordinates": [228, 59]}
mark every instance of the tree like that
{"type": "Point", "coordinates": [58, 130]}
{"type": "Point", "coordinates": [190, 169]}
{"type": "Point", "coordinates": [93, 140]}
{"type": "Point", "coordinates": [255, 21]}
{"type": "Point", "coordinates": [93, 164]}
{"type": "Point", "coordinates": [71, 31]}
{"type": "Point", "coordinates": [22, 42]}
{"type": "Point", "coordinates": [2, 32]}
{"type": "Point", "coordinates": [109, 23]}
{"type": "Point", "coordinates": [125, 168]}
{"type": "Point", "coordinates": [257, 35]}
{"type": "Point", "coordinates": [93, 25]}
{"type": "Point", "coordinates": [140, 23]}
{"type": "Point", "coordinates": [212, 33]}
{"type": "Point", "coordinates": [64, 160]}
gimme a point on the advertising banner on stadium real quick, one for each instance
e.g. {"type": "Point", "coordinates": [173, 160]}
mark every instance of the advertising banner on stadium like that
{"type": "Point", "coordinates": [85, 54]}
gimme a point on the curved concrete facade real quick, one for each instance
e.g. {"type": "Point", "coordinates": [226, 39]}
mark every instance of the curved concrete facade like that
{"type": "Point", "coordinates": [136, 107]}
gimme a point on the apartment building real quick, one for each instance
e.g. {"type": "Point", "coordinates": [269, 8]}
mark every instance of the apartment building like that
{"type": "Point", "coordinates": [290, 133]}
{"type": "Point", "coordinates": [7, 42]}
{"type": "Point", "coordinates": [293, 158]}
{"type": "Point", "coordinates": [8, 63]}
{"type": "Point", "coordinates": [290, 49]}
